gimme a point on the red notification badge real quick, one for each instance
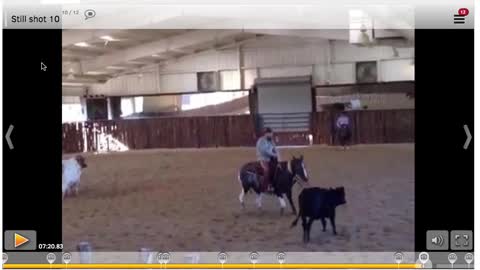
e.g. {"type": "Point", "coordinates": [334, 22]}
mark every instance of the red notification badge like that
{"type": "Point", "coordinates": [463, 11]}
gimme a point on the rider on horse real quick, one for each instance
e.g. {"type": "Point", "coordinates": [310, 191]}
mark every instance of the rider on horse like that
{"type": "Point", "coordinates": [267, 155]}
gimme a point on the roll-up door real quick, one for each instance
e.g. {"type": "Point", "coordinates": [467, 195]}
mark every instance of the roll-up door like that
{"type": "Point", "coordinates": [285, 104]}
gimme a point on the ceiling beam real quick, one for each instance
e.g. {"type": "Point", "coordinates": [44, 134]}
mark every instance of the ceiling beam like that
{"type": "Point", "coordinates": [73, 90]}
{"type": "Point", "coordinates": [322, 34]}
{"type": "Point", "coordinates": [78, 54]}
{"type": "Point", "coordinates": [182, 51]}
{"type": "Point", "coordinates": [136, 63]}
{"type": "Point", "coordinates": [157, 47]}
{"type": "Point", "coordinates": [85, 79]}
{"type": "Point", "coordinates": [70, 37]}
{"type": "Point", "coordinates": [365, 88]}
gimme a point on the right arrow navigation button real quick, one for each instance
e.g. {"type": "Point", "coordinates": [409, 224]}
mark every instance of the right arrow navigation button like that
{"type": "Point", "coordinates": [469, 137]}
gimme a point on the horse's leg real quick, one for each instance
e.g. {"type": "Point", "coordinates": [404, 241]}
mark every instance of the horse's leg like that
{"type": "Point", "coordinates": [241, 197]}
{"type": "Point", "coordinates": [245, 188]}
{"type": "Point", "coordinates": [289, 197]}
{"type": "Point", "coordinates": [324, 224]}
{"type": "Point", "coordinates": [75, 189]}
{"type": "Point", "coordinates": [258, 200]}
{"type": "Point", "coordinates": [282, 202]}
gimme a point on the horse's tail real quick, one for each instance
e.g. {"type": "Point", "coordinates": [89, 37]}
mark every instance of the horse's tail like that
{"type": "Point", "coordinates": [294, 223]}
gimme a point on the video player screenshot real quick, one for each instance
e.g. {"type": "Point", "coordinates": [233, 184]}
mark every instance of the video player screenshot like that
{"type": "Point", "coordinates": [238, 134]}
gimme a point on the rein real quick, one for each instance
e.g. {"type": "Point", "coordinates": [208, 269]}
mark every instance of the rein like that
{"type": "Point", "coordinates": [297, 178]}
{"type": "Point", "coordinates": [300, 182]}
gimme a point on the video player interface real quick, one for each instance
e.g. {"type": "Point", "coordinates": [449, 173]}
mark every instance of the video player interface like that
{"type": "Point", "coordinates": [243, 135]}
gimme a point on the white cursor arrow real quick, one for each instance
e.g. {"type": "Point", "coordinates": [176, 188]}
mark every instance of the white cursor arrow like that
{"type": "Point", "coordinates": [469, 137]}
{"type": "Point", "coordinates": [7, 137]}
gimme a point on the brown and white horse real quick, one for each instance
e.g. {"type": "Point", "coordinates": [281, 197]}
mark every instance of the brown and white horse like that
{"type": "Point", "coordinates": [285, 175]}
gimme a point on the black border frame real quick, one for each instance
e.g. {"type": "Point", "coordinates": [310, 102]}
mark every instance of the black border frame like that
{"type": "Point", "coordinates": [444, 103]}
{"type": "Point", "coordinates": [32, 197]}
{"type": "Point", "coordinates": [444, 180]}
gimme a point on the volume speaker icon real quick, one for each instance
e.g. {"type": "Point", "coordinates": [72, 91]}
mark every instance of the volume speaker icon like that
{"type": "Point", "coordinates": [438, 240]}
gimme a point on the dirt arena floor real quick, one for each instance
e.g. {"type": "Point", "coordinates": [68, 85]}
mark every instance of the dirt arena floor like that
{"type": "Point", "coordinates": [187, 200]}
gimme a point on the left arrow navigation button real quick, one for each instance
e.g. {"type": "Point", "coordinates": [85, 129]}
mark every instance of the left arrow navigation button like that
{"type": "Point", "coordinates": [7, 137]}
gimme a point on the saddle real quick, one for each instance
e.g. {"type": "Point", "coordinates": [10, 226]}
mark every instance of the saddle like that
{"type": "Point", "coordinates": [255, 168]}
{"type": "Point", "coordinates": [258, 169]}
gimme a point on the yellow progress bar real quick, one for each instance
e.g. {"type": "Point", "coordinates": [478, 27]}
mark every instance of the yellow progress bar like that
{"type": "Point", "coordinates": [213, 266]}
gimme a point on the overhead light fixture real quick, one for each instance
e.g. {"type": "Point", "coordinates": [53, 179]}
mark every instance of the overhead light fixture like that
{"type": "Point", "coordinates": [107, 38]}
{"type": "Point", "coordinates": [117, 67]}
{"type": "Point", "coordinates": [82, 44]}
{"type": "Point", "coordinates": [72, 84]}
{"type": "Point", "coordinates": [97, 72]}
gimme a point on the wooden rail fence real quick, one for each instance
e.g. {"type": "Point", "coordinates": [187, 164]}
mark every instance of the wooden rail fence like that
{"type": "Point", "coordinates": [175, 132]}
{"type": "Point", "coordinates": [369, 127]}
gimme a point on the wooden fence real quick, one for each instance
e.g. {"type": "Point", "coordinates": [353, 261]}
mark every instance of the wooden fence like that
{"type": "Point", "coordinates": [175, 132]}
{"type": "Point", "coordinates": [369, 127]}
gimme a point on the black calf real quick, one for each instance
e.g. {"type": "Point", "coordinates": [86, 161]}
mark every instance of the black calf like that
{"type": "Point", "coordinates": [318, 203]}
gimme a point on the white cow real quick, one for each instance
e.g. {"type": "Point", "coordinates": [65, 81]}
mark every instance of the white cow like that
{"type": "Point", "coordinates": [71, 172]}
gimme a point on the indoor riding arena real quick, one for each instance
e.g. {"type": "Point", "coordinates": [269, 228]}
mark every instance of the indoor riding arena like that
{"type": "Point", "coordinates": [165, 119]}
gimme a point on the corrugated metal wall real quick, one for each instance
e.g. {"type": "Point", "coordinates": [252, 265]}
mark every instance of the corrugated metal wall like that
{"type": "Point", "coordinates": [271, 57]}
